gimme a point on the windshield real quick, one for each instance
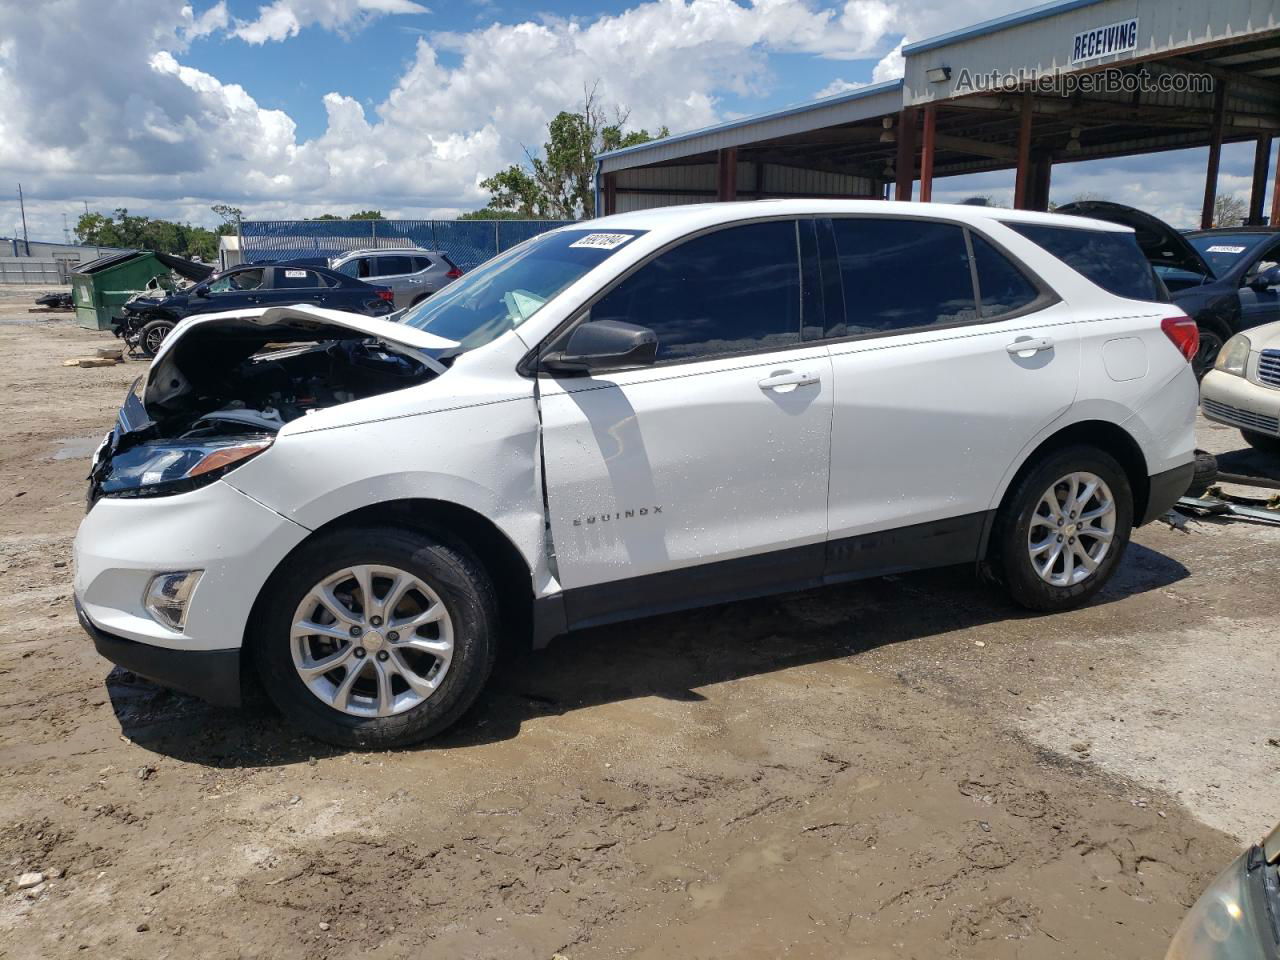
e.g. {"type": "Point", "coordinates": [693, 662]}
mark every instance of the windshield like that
{"type": "Point", "coordinates": [509, 289]}
{"type": "Point", "coordinates": [1223, 250]}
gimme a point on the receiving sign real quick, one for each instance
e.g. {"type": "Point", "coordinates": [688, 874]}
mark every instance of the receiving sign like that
{"type": "Point", "coordinates": [1105, 41]}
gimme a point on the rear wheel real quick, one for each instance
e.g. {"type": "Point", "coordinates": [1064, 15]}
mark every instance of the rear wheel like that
{"type": "Point", "coordinates": [1063, 529]}
{"type": "Point", "coordinates": [152, 335]}
{"type": "Point", "coordinates": [376, 637]}
{"type": "Point", "coordinates": [1262, 441]}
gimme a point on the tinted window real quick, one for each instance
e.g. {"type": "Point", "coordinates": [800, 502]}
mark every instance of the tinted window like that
{"type": "Point", "coordinates": [420, 263]}
{"type": "Point", "coordinates": [725, 292]}
{"type": "Point", "coordinates": [1111, 260]}
{"type": "Point", "coordinates": [241, 280]}
{"type": "Point", "coordinates": [902, 274]}
{"type": "Point", "coordinates": [353, 268]}
{"type": "Point", "coordinates": [392, 266]}
{"type": "Point", "coordinates": [292, 278]}
{"type": "Point", "coordinates": [1002, 286]}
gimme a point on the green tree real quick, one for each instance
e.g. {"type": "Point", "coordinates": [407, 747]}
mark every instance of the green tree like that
{"type": "Point", "coordinates": [558, 185]}
{"type": "Point", "coordinates": [367, 215]}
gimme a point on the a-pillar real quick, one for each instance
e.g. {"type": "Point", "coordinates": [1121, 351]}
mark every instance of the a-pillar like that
{"type": "Point", "coordinates": [1258, 195]}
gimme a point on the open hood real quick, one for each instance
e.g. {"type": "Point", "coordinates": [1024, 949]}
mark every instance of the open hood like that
{"type": "Point", "coordinates": [1161, 244]}
{"type": "Point", "coordinates": [216, 341]}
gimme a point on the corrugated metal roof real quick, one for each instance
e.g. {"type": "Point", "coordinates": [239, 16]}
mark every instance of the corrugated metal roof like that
{"type": "Point", "coordinates": [1051, 9]}
{"type": "Point", "coordinates": [861, 104]}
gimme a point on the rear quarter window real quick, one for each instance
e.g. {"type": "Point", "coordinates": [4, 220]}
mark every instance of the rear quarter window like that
{"type": "Point", "coordinates": [1110, 259]}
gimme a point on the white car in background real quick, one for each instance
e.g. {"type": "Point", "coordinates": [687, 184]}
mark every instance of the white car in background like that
{"type": "Point", "coordinates": [644, 413]}
{"type": "Point", "coordinates": [1243, 388]}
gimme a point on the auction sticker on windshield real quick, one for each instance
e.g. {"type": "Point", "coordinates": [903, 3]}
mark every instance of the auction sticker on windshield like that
{"type": "Point", "coordinates": [602, 241]}
{"type": "Point", "coordinates": [296, 274]}
{"type": "Point", "coordinates": [1223, 248]}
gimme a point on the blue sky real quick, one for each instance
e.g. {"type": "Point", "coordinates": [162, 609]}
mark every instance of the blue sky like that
{"type": "Point", "coordinates": [291, 108]}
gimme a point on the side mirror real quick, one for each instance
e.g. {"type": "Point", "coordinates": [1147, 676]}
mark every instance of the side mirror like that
{"type": "Point", "coordinates": [602, 345]}
{"type": "Point", "coordinates": [200, 290]}
{"type": "Point", "coordinates": [1266, 280]}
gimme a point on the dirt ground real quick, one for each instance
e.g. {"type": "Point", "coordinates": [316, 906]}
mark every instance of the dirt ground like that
{"type": "Point", "coordinates": [900, 768]}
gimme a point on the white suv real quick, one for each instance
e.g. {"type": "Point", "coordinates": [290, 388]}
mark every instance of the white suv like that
{"type": "Point", "coordinates": [645, 413]}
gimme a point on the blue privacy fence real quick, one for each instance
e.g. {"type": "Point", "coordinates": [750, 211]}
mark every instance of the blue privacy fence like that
{"type": "Point", "coordinates": [468, 243]}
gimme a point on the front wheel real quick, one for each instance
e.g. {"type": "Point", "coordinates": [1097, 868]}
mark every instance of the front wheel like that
{"type": "Point", "coordinates": [1063, 529]}
{"type": "Point", "coordinates": [376, 637]}
{"type": "Point", "coordinates": [152, 335]}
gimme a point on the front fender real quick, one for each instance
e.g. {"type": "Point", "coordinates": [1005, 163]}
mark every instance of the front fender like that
{"type": "Point", "coordinates": [484, 458]}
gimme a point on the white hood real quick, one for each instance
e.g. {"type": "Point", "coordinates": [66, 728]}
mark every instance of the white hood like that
{"type": "Point", "coordinates": [236, 334]}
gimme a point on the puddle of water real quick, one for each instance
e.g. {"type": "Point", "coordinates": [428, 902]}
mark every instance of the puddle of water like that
{"type": "Point", "coordinates": [76, 448]}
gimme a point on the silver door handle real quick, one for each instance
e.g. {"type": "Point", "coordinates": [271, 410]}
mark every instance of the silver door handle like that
{"type": "Point", "coordinates": [411, 280]}
{"type": "Point", "coordinates": [786, 382]}
{"type": "Point", "coordinates": [1030, 345]}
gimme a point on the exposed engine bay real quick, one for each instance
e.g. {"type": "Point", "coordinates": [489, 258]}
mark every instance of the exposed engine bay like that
{"type": "Point", "coordinates": [222, 388]}
{"type": "Point", "coordinates": [275, 387]}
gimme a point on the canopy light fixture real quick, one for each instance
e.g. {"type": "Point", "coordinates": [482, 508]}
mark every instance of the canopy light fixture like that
{"type": "Point", "coordinates": [938, 74]}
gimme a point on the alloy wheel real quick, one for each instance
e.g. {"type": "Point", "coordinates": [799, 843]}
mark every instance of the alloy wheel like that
{"type": "Point", "coordinates": [372, 641]}
{"type": "Point", "coordinates": [1072, 529]}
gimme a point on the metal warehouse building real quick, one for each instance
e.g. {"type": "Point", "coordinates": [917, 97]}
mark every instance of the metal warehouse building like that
{"type": "Point", "coordinates": [1065, 81]}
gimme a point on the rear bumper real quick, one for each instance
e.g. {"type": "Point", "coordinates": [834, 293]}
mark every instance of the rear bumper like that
{"type": "Point", "coordinates": [211, 675]}
{"type": "Point", "coordinates": [1166, 489]}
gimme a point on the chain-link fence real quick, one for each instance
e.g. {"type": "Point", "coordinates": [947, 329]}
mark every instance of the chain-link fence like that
{"type": "Point", "coordinates": [467, 243]}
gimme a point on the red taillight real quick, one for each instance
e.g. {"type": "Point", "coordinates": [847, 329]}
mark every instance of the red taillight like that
{"type": "Point", "coordinates": [1182, 333]}
{"type": "Point", "coordinates": [454, 274]}
{"type": "Point", "coordinates": [386, 295]}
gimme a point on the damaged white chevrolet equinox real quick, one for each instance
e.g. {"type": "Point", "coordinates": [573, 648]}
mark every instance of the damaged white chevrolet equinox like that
{"type": "Point", "coordinates": [643, 413]}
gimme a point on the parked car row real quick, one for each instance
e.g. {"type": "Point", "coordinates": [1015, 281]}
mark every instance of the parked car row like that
{"type": "Point", "coordinates": [374, 283]}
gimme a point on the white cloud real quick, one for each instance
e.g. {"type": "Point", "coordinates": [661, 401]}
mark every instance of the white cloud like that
{"type": "Point", "coordinates": [100, 105]}
{"type": "Point", "coordinates": [892, 66]}
{"type": "Point", "coordinates": [838, 86]}
{"type": "Point", "coordinates": [286, 18]}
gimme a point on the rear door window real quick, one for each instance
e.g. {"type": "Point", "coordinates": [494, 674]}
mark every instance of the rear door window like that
{"type": "Point", "coordinates": [732, 291]}
{"type": "Point", "coordinates": [392, 266]}
{"type": "Point", "coordinates": [1110, 259]}
{"type": "Point", "coordinates": [1002, 287]}
{"type": "Point", "coordinates": [420, 263]}
{"type": "Point", "coordinates": [902, 275]}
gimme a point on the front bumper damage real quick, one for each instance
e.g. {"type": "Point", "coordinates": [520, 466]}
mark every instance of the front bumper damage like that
{"type": "Point", "coordinates": [211, 675]}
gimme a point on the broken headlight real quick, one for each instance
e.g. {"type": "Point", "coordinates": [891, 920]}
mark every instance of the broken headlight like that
{"type": "Point", "coordinates": [164, 468]}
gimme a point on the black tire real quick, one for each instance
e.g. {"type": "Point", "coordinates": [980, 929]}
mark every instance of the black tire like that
{"type": "Point", "coordinates": [1213, 334]}
{"type": "Point", "coordinates": [1206, 474]}
{"type": "Point", "coordinates": [152, 335]}
{"type": "Point", "coordinates": [1012, 562]}
{"type": "Point", "coordinates": [449, 569]}
{"type": "Point", "coordinates": [418, 300]}
{"type": "Point", "coordinates": [1262, 441]}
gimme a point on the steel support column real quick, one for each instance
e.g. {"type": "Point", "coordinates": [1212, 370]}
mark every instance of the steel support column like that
{"type": "Point", "coordinates": [610, 193]}
{"type": "Point", "coordinates": [1022, 180]}
{"type": "Point", "coordinates": [926, 153]}
{"type": "Point", "coordinates": [1215, 155]}
{"type": "Point", "coordinates": [906, 164]}
{"type": "Point", "coordinates": [727, 174]}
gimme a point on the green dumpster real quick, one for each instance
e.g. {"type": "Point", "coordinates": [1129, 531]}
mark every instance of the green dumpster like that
{"type": "Point", "coordinates": [100, 287]}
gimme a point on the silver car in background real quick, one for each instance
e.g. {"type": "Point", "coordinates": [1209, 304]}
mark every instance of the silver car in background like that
{"type": "Point", "coordinates": [413, 274]}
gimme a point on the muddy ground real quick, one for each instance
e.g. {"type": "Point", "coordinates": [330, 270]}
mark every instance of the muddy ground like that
{"type": "Point", "coordinates": [901, 768]}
